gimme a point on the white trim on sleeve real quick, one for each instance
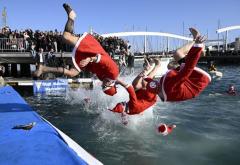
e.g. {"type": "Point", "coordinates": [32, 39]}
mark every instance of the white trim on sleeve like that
{"type": "Point", "coordinates": [98, 58]}
{"type": "Point", "coordinates": [198, 45]}
{"type": "Point", "coordinates": [165, 131]}
{"type": "Point", "coordinates": [75, 49]}
{"type": "Point", "coordinates": [127, 86]}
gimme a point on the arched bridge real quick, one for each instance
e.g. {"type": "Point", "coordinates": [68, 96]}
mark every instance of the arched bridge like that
{"type": "Point", "coordinates": [226, 29]}
{"type": "Point", "coordinates": [229, 28]}
{"type": "Point", "coordinates": [126, 34]}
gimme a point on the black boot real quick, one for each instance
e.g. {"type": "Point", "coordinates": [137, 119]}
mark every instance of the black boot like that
{"type": "Point", "coordinates": [67, 8]}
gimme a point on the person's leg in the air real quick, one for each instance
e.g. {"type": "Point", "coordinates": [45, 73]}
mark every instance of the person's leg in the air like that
{"type": "Point", "coordinates": [70, 39]}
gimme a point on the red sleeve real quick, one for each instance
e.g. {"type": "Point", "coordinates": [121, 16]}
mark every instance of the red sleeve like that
{"type": "Point", "coordinates": [133, 102]}
{"type": "Point", "coordinates": [190, 62]}
{"type": "Point", "coordinates": [132, 94]}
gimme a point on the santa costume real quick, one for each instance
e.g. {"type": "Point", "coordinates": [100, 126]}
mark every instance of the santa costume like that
{"type": "Point", "coordinates": [139, 101]}
{"type": "Point", "coordinates": [183, 83]}
{"type": "Point", "coordinates": [104, 67]}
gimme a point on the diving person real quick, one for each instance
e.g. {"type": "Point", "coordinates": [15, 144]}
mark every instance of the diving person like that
{"type": "Point", "coordinates": [87, 55]}
{"type": "Point", "coordinates": [140, 99]}
{"type": "Point", "coordinates": [185, 81]}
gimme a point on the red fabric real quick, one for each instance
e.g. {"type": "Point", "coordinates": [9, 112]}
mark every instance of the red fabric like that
{"type": "Point", "coordinates": [185, 83]}
{"type": "Point", "coordinates": [152, 86]}
{"type": "Point", "coordinates": [161, 128]}
{"type": "Point", "coordinates": [118, 108]}
{"type": "Point", "coordinates": [148, 79]}
{"type": "Point", "coordinates": [169, 129]}
{"type": "Point", "coordinates": [90, 47]}
{"type": "Point", "coordinates": [140, 100]}
{"type": "Point", "coordinates": [111, 91]}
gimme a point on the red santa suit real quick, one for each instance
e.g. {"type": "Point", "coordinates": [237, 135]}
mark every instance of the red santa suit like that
{"type": "Point", "coordinates": [88, 46]}
{"type": "Point", "coordinates": [139, 101]}
{"type": "Point", "coordinates": [183, 83]}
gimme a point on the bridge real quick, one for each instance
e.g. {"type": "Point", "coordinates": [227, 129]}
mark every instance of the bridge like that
{"type": "Point", "coordinates": [226, 30]}
{"type": "Point", "coordinates": [24, 58]}
{"type": "Point", "coordinates": [141, 33]}
{"type": "Point", "coordinates": [145, 34]}
{"type": "Point", "coordinates": [169, 35]}
{"type": "Point", "coordinates": [229, 28]}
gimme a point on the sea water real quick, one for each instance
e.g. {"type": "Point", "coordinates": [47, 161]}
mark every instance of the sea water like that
{"type": "Point", "coordinates": [207, 133]}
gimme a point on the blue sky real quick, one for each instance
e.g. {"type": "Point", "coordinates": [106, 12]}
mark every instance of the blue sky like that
{"type": "Point", "coordinates": [115, 16]}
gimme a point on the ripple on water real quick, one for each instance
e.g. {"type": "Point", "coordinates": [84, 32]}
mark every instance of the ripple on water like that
{"type": "Point", "coordinates": [207, 130]}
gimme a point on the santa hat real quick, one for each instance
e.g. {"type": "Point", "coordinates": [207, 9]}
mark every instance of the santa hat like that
{"type": "Point", "coordinates": [118, 108]}
{"type": "Point", "coordinates": [165, 129]}
{"type": "Point", "coordinates": [112, 90]}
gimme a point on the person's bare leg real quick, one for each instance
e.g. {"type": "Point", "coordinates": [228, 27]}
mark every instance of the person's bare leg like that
{"type": "Point", "coordinates": [137, 82]}
{"type": "Point", "coordinates": [70, 39]}
{"type": "Point", "coordinates": [68, 36]}
{"type": "Point", "coordinates": [182, 52]}
{"type": "Point", "coordinates": [45, 69]}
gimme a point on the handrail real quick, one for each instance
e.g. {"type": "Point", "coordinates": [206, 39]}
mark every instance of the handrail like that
{"type": "Point", "coordinates": [14, 44]}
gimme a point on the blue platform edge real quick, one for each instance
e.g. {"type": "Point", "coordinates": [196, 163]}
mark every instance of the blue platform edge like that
{"type": "Point", "coordinates": [42, 145]}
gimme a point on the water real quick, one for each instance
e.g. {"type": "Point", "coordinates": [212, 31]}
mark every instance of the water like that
{"type": "Point", "coordinates": [207, 132]}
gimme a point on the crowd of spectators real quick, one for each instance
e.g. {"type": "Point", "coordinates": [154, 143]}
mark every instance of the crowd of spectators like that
{"type": "Point", "coordinates": [27, 40]}
{"type": "Point", "coordinates": [23, 40]}
{"type": "Point", "coordinates": [113, 45]}
{"type": "Point", "coordinates": [37, 42]}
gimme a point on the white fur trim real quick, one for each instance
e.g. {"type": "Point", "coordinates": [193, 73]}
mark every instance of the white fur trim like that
{"type": "Point", "coordinates": [104, 89]}
{"type": "Point", "coordinates": [110, 86]}
{"type": "Point", "coordinates": [165, 131]}
{"type": "Point", "coordinates": [75, 49]}
{"type": "Point", "coordinates": [127, 85]}
{"type": "Point", "coordinates": [182, 65]}
{"type": "Point", "coordinates": [195, 68]}
{"type": "Point", "coordinates": [198, 45]}
{"type": "Point", "coordinates": [98, 58]}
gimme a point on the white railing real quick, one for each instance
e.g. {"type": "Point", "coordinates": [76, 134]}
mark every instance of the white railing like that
{"type": "Point", "coordinates": [15, 44]}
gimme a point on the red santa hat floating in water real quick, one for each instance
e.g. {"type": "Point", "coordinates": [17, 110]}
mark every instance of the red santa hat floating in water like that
{"type": "Point", "coordinates": [165, 129]}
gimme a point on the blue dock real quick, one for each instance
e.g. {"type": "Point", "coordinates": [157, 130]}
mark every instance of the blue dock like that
{"type": "Point", "coordinates": [43, 144]}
